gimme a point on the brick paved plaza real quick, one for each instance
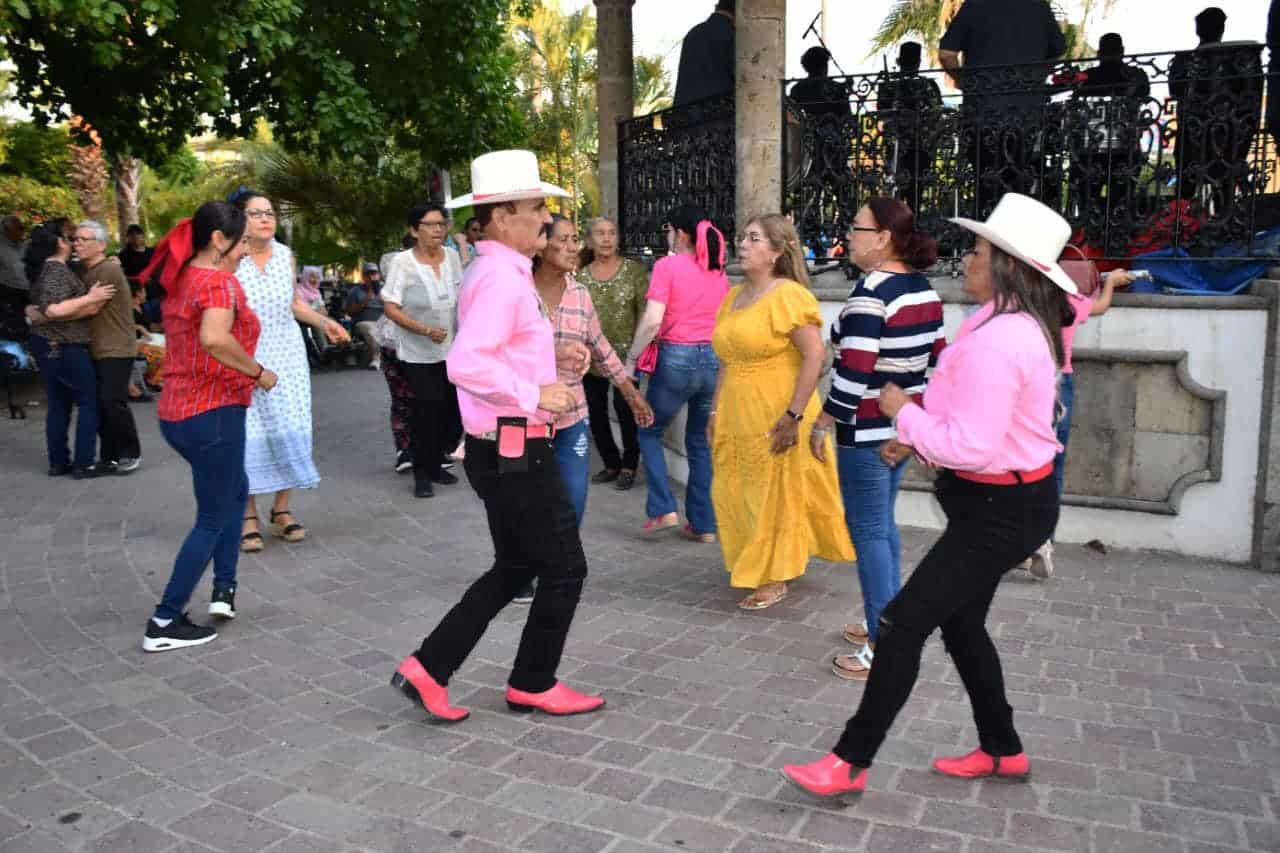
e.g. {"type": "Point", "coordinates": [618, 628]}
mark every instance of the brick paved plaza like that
{"type": "Point", "coordinates": [1147, 686]}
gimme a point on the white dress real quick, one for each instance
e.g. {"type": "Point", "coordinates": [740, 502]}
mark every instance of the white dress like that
{"type": "Point", "coordinates": [277, 453]}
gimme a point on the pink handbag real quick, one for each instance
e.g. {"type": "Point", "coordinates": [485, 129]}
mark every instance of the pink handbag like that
{"type": "Point", "coordinates": [648, 360]}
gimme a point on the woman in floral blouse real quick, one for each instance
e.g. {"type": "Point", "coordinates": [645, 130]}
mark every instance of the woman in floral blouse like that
{"type": "Point", "coordinates": [617, 286]}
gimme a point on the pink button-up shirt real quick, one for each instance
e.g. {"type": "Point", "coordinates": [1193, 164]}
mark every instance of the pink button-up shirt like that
{"type": "Point", "coordinates": [989, 405]}
{"type": "Point", "coordinates": [504, 350]}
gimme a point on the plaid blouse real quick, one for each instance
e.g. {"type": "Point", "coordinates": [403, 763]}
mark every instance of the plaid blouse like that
{"type": "Point", "coordinates": [576, 320]}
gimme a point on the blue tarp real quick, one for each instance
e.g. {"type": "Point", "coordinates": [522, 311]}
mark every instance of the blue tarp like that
{"type": "Point", "coordinates": [1174, 271]}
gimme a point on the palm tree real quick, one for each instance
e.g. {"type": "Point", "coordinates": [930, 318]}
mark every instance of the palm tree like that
{"type": "Point", "coordinates": [926, 20]}
{"type": "Point", "coordinates": [556, 73]}
{"type": "Point", "coordinates": [651, 85]}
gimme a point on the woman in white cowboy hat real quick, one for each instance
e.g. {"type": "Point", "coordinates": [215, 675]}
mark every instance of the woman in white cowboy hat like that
{"type": "Point", "coordinates": [503, 362]}
{"type": "Point", "coordinates": [986, 423]}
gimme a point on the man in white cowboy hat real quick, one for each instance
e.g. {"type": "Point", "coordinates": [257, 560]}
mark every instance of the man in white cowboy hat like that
{"type": "Point", "coordinates": [987, 425]}
{"type": "Point", "coordinates": [503, 362]}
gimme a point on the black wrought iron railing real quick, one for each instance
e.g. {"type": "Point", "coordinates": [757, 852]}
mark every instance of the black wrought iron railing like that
{"type": "Point", "coordinates": [1147, 152]}
{"type": "Point", "coordinates": [684, 155]}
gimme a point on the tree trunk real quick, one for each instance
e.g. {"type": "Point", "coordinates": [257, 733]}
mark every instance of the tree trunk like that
{"type": "Point", "coordinates": [126, 174]}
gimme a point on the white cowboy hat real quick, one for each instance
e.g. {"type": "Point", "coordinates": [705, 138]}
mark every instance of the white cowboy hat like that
{"type": "Point", "coordinates": [505, 176]}
{"type": "Point", "coordinates": [1030, 232]}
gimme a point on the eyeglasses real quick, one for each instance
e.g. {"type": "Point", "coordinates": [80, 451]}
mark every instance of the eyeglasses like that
{"type": "Point", "coordinates": [864, 228]}
{"type": "Point", "coordinates": [260, 214]}
{"type": "Point", "coordinates": [426, 224]}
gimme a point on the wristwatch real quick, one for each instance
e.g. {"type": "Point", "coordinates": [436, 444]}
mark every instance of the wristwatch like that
{"type": "Point", "coordinates": [794, 416]}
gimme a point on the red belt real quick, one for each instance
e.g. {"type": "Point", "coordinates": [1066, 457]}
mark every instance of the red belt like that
{"type": "Point", "coordinates": [1008, 478]}
{"type": "Point", "coordinates": [532, 431]}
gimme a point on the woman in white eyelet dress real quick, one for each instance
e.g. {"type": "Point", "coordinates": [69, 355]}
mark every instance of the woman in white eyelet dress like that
{"type": "Point", "coordinates": [278, 439]}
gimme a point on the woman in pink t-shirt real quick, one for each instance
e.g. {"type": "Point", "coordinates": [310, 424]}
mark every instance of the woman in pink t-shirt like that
{"type": "Point", "coordinates": [685, 292]}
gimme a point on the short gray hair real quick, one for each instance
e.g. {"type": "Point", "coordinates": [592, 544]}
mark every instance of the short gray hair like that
{"type": "Point", "coordinates": [99, 230]}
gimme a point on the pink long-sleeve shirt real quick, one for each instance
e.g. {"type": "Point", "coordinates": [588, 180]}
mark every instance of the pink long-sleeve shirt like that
{"type": "Point", "coordinates": [989, 405]}
{"type": "Point", "coordinates": [505, 348]}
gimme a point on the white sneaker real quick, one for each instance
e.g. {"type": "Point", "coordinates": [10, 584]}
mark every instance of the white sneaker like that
{"type": "Point", "coordinates": [1041, 562]}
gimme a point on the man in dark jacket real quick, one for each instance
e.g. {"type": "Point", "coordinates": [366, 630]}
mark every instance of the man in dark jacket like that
{"type": "Point", "coordinates": [706, 58]}
{"type": "Point", "coordinates": [1008, 47]}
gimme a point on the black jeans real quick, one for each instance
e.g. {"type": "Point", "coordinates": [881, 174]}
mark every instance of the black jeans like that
{"type": "Point", "coordinates": [597, 391]}
{"type": "Point", "coordinates": [535, 535]}
{"type": "Point", "coordinates": [434, 421]}
{"type": "Point", "coordinates": [117, 433]}
{"type": "Point", "coordinates": [990, 529]}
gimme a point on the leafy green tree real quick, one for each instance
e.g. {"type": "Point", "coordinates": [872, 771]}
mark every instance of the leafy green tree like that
{"type": "Point", "coordinates": [334, 81]}
{"type": "Point", "coordinates": [40, 153]}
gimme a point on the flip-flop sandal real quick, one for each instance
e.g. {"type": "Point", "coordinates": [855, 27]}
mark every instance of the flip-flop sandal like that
{"type": "Point", "coordinates": [857, 633]}
{"type": "Point", "coordinates": [854, 667]}
{"type": "Point", "coordinates": [251, 542]}
{"type": "Point", "coordinates": [755, 602]}
{"type": "Point", "coordinates": [292, 532]}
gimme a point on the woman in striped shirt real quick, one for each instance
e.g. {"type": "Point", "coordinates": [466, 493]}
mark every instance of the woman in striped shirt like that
{"type": "Point", "coordinates": [211, 335]}
{"type": "Point", "coordinates": [890, 330]}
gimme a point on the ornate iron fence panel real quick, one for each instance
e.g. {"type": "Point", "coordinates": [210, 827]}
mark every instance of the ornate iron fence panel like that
{"type": "Point", "coordinates": [684, 155]}
{"type": "Point", "coordinates": [1144, 152]}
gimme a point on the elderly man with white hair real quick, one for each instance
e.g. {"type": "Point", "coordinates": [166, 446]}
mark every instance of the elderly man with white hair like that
{"type": "Point", "coordinates": [113, 346]}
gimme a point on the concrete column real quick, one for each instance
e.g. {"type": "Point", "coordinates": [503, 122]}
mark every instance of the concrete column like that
{"type": "Point", "coordinates": [760, 42]}
{"type": "Point", "coordinates": [614, 98]}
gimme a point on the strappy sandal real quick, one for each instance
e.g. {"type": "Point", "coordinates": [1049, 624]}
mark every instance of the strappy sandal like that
{"type": "Point", "coordinates": [857, 633]}
{"type": "Point", "coordinates": [251, 542]}
{"type": "Point", "coordinates": [291, 532]}
{"type": "Point", "coordinates": [854, 667]}
{"type": "Point", "coordinates": [755, 601]}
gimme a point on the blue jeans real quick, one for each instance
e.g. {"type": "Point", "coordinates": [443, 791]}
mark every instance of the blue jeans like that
{"type": "Point", "coordinates": [69, 380]}
{"type": "Point", "coordinates": [869, 488]}
{"type": "Point", "coordinates": [686, 374]}
{"type": "Point", "coordinates": [1067, 394]}
{"type": "Point", "coordinates": [573, 455]}
{"type": "Point", "coordinates": [213, 445]}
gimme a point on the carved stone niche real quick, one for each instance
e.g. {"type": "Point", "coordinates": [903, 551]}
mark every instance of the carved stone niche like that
{"type": "Point", "coordinates": [1142, 432]}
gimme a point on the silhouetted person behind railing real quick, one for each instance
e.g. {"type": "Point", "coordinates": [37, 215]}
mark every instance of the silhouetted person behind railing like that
{"type": "Point", "coordinates": [707, 58]}
{"type": "Point", "coordinates": [816, 95]}
{"type": "Point", "coordinates": [1219, 91]}
{"type": "Point", "coordinates": [1106, 149]}
{"type": "Point", "coordinates": [909, 106]}
{"type": "Point", "coordinates": [1004, 95]}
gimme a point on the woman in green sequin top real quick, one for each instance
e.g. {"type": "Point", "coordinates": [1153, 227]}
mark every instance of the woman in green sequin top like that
{"type": "Point", "coordinates": [618, 286]}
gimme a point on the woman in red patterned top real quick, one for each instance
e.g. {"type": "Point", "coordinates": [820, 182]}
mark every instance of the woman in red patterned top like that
{"type": "Point", "coordinates": [210, 374]}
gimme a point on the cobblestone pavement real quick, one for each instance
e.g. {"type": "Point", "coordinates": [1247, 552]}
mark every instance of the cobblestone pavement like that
{"type": "Point", "coordinates": [1146, 687]}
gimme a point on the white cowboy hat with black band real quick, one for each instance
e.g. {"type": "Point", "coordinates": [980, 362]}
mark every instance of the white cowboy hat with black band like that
{"type": "Point", "coordinates": [1030, 232]}
{"type": "Point", "coordinates": [505, 176]}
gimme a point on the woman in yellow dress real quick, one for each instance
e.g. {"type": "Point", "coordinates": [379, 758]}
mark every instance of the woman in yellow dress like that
{"type": "Point", "coordinates": [776, 503]}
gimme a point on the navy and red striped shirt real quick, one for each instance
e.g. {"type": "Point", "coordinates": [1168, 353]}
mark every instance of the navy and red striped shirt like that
{"type": "Point", "coordinates": [890, 330]}
{"type": "Point", "coordinates": [195, 382]}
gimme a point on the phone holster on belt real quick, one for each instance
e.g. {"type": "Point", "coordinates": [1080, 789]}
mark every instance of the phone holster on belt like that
{"type": "Point", "coordinates": [513, 445]}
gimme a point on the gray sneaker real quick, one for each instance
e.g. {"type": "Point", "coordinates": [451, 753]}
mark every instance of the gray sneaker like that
{"type": "Point", "coordinates": [128, 464]}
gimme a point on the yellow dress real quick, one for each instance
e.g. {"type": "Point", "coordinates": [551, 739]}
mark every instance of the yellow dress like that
{"type": "Point", "coordinates": [772, 512]}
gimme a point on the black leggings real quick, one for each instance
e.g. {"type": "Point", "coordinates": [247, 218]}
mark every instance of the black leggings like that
{"type": "Point", "coordinates": [990, 529]}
